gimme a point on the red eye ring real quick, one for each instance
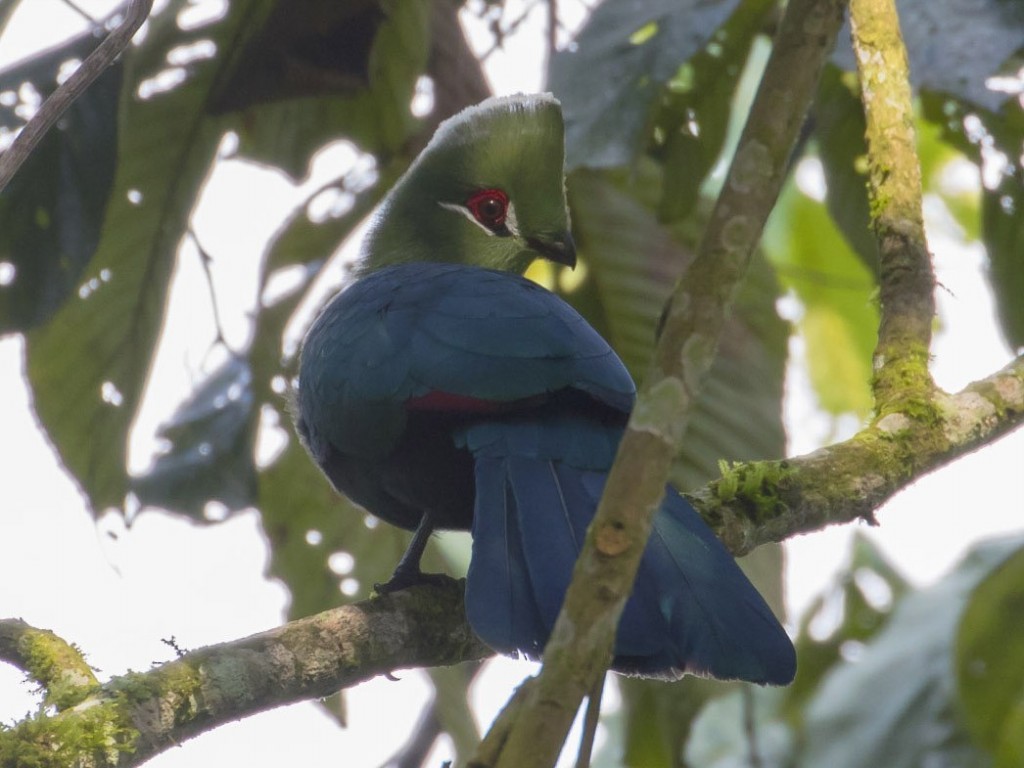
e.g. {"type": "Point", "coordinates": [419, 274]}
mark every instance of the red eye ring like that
{"type": "Point", "coordinates": [489, 207]}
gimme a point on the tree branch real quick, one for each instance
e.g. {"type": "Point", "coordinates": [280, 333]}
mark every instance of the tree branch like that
{"type": "Point", "coordinates": [763, 501]}
{"type": "Point", "coordinates": [132, 717]}
{"type": "Point", "coordinates": [907, 282]}
{"type": "Point", "coordinates": [58, 667]}
{"type": "Point", "coordinates": [58, 102]}
{"type": "Point", "coordinates": [580, 646]}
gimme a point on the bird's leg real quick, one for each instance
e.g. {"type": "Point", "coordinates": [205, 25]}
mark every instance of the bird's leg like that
{"type": "Point", "coordinates": [407, 572]}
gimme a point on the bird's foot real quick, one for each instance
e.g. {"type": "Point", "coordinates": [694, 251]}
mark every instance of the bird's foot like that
{"type": "Point", "coordinates": [402, 579]}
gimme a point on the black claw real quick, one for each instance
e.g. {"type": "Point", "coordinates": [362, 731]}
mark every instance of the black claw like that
{"type": "Point", "coordinates": [405, 579]}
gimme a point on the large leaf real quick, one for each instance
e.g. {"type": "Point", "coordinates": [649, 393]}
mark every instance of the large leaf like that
{"type": "Point", "coordinates": [955, 46]}
{"type": "Point", "coordinates": [990, 662]}
{"type": "Point", "coordinates": [313, 94]}
{"type": "Point", "coordinates": [209, 454]}
{"type": "Point", "coordinates": [743, 728]}
{"type": "Point", "coordinates": [87, 367]}
{"type": "Point", "coordinates": [836, 289]}
{"type": "Point", "coordinates": [610, 79]}
{"type": "Point", "coordinates": [635, 262]}
{"type": "Point", "coordinates": [859, 603]}
{"type": "Point", "coordinates": [993, 142]}
{"type": "Point", "coordinates": [52, 210]}
{"type": "Point", "coordinates": [896, 704]}
{"type": "Point", "coordinates": [691, 124]}
{"type": "Point", "coordinates": [839, 129]}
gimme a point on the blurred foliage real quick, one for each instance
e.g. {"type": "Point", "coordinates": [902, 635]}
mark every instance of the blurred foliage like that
{"type": "Point", "coordinates": [654, 94]}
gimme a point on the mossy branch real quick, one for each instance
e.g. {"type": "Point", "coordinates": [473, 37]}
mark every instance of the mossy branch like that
{"type": "Point", "coordinates": [580, 647]}
{"type": "Point", "coordinates": [757, 502]}
{"type": "Point", "coordinates": [132, 717]}
{"type": "Point", "coordinates": [58, 667]}
{"type": "Point", "coordinates": [906, 279]}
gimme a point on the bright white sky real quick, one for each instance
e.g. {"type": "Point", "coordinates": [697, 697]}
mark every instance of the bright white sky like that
{"type": "Point", "coordinates": [117, 597]}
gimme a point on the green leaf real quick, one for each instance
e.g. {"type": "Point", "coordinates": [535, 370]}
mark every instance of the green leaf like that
{"type": "Point", "coordinates": [87, 367]}
{"type": "Point", "coordinates": [284, 132]}
{"type": "Point", "coordinates": [1003, 227]}
{"type": "Point", "coordinates": [954, 46]}
{"type": "Point", "coordinates": [963, 201]}
{"type": "Point", "coordinates": [52, 210]}
{"type": "Point", "coordinates": [634, 262]}
{"type": "Point", "coordinates": [658, 717]}
{"type": "Point", "coordinates": [839, 129]}
{"type": "Point", "coordinates": [743, 728]}
{"type": "Point", "coordinates": [691, 124]}
{"type": "Point", "coordinates": [896, 704]}
{"type": "Point", "coordinates": [990, 661]}
{"type": "Point", "coordinates": [860, 618]}
{"type": "Point", "coordinates": [609, 81]}
{"type": "Point", "coordinates": [210, 457]}
{"type": "Point", "coordinates": [992, 141]}
{"type": "Point", "coordinates": [836, 289]}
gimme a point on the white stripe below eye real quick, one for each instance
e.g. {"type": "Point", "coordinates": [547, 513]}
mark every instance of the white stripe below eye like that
{"type": "Point", "coordinates": [465, 212]}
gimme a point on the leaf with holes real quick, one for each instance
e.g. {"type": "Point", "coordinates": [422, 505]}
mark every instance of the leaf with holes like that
{"type": "Point", "coordinates": [955, 46]}
{"type": "Point", "coordinates": [52, 210]}
{"type": "Point", "coordinates": [210, 448]}
{"type": "Point", "coordinates": [88, 366]}
{"type": "Point", "coordinates": [610, 81]}
{"type": "Point", "coordinates": [840, 318]}
{"type": "Point", "coordinates": [896, 705]}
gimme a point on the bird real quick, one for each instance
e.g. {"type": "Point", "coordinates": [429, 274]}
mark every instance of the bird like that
{"type": "Point", "coordinates": [442, 390]}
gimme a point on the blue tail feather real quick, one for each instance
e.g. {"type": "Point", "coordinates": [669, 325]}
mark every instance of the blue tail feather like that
{"type": "Point", "coordinates": [501, 600]}
{"type": "Point", "coordinates": [692, 609]}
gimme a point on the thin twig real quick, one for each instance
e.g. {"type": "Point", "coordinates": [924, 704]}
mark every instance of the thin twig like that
{"type": "Point", "coordinates": [750, 728]}
{"type": "Point", "coordinates": [205, 259]}
{"type": "Point", "coordinates": [590, 721]}
{"type": "Point", "coordinates": [80, 11]}
{"type": "Point", "coordinates": [552, 30]}
{"type": "Point", "coordinates": [58, 102]}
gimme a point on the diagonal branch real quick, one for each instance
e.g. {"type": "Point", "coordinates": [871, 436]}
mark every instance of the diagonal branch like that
{"type": "Point", "coordinates": [581, 641]}
{"type": "Point", "coordinates": [57, 103]}
{"type": "Point", "coordinates": [133, 717]}
{"type": "Point", "coordinates": [757, 502]}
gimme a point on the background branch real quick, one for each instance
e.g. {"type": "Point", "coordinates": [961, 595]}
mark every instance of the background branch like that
{"type": "Point", "coordinates": [58, 102]}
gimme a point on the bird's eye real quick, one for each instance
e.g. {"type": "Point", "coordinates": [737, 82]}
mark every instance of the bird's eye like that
{"type": "Point", "coordinates": [489, 207]}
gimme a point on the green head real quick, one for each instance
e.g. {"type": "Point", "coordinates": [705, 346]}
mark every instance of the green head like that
{"type": "Point", "coordinates": [488, 190]}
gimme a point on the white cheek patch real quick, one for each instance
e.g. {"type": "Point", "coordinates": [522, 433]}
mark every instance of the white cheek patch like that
{"type": "Point", "coordinates": [511, 222]}
{"type": "Point", "coordinates": [465, 212]}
